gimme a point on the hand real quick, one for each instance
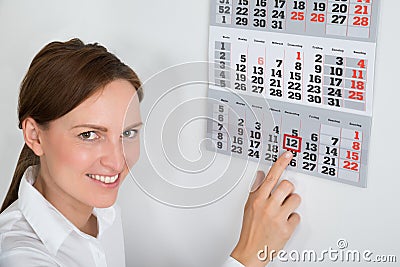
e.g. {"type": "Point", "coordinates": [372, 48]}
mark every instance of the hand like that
{"type": "Point", "coordinates": [269, 218]}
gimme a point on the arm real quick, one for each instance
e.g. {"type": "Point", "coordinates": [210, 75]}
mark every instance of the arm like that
{"type": "Point", "coordinates": [269, 218]}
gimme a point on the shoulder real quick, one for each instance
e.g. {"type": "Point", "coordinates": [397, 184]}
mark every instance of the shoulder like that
{"type": "Point", "coordinates": [27, 256]}
{"type": "Point", "coordinates": [13, 223]}
{"type": "Point", "coordinates": [19, 244]}
{"type": "Point", "coordinates": [12, 220]}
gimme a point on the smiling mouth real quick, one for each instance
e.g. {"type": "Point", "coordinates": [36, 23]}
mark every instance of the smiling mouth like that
{"type": "Point", "coordinates": [104, 179]}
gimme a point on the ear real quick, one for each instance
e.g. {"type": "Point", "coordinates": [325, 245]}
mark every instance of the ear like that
{"type": "Point", "coordinates": [31, 132]}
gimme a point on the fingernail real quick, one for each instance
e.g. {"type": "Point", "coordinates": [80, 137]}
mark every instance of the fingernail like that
{"type": "Point", "coordinates": [257, 181]}
{"type": "Point", "coordinates": [288, 155]}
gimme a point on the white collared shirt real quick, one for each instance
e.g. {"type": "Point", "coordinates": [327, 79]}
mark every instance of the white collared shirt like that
{"type": "Point", "coordinates": [231, 262]}
{"type": "Point", "coordinates": [35, 233]}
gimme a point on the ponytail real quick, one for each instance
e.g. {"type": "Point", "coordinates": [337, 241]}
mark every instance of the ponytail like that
{"type": "Point", "coordinates": [27, 158]}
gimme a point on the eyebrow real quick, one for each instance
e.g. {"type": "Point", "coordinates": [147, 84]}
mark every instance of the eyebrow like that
{"type": "Point", "coordinates": [134, 125]}
{"type": "Point", "coordinates": [104, 129]}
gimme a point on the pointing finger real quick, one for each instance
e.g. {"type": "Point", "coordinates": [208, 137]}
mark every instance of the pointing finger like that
{"type": "Point", "coordinates": [275, 173]}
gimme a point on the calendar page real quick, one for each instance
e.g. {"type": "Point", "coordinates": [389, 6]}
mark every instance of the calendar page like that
{"type": "Point", "coordinates": [292, 75]}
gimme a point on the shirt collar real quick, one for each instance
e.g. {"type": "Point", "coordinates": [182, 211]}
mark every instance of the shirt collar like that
{"type": "Point", "coordinates": [48, 223]}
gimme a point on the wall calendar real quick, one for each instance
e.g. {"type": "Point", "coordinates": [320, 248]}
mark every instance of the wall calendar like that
{"type": "Point", "coordinates": [294, 75]}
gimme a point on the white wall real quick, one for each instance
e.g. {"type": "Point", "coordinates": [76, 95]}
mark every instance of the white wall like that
{"type": "Point", "coordinates": [153, 35]}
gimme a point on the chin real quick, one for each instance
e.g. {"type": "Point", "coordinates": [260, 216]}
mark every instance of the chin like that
{"type": "Point", "coordinates": [104, 203]}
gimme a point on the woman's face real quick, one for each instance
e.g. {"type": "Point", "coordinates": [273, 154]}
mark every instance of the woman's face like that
{"type": "Point", "coordinates": [87, 153]}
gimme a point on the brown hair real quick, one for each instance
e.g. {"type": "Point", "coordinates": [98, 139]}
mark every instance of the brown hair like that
{"type": "Point", "coordinates": [61, 76]}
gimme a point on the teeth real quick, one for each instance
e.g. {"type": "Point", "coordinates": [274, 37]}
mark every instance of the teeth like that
{"type": "Point", "coordinates": [114, 178]}
{"type": "Point", "coordinates": [104, 179]}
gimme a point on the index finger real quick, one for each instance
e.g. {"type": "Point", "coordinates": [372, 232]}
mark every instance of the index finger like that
{"type": "Point", "coordinates": [275, 173]}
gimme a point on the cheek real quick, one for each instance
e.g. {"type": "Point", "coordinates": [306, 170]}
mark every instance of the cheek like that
{"type": "Point", "coordinates": [132, 152]}
{"type": "Point", "coordinates": [78, 155]}
{"type": "Point", "coordinates": [69, 154]}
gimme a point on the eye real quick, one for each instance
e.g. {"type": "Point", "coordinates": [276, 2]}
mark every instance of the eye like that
{"type": "Point", "coordinates": [90, 135]}
{"type": "Point", "coordinates": [130, 133]}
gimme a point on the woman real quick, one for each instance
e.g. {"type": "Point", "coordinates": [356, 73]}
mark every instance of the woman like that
{"type": "Point", "coordinates": [59, 210]}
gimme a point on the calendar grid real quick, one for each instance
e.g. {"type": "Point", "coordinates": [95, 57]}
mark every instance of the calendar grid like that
{"type": "Point", "coordinates": [354, 20]}
{"type": "Point", "coordinates": [298, 76]}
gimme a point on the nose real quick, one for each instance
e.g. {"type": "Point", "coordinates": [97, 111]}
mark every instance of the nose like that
{"type": "Point", "coordinates": [113, 157]}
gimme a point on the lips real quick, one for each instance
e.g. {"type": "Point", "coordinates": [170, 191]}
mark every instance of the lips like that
{"type": "Point", "coordinates": [103, 178]}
